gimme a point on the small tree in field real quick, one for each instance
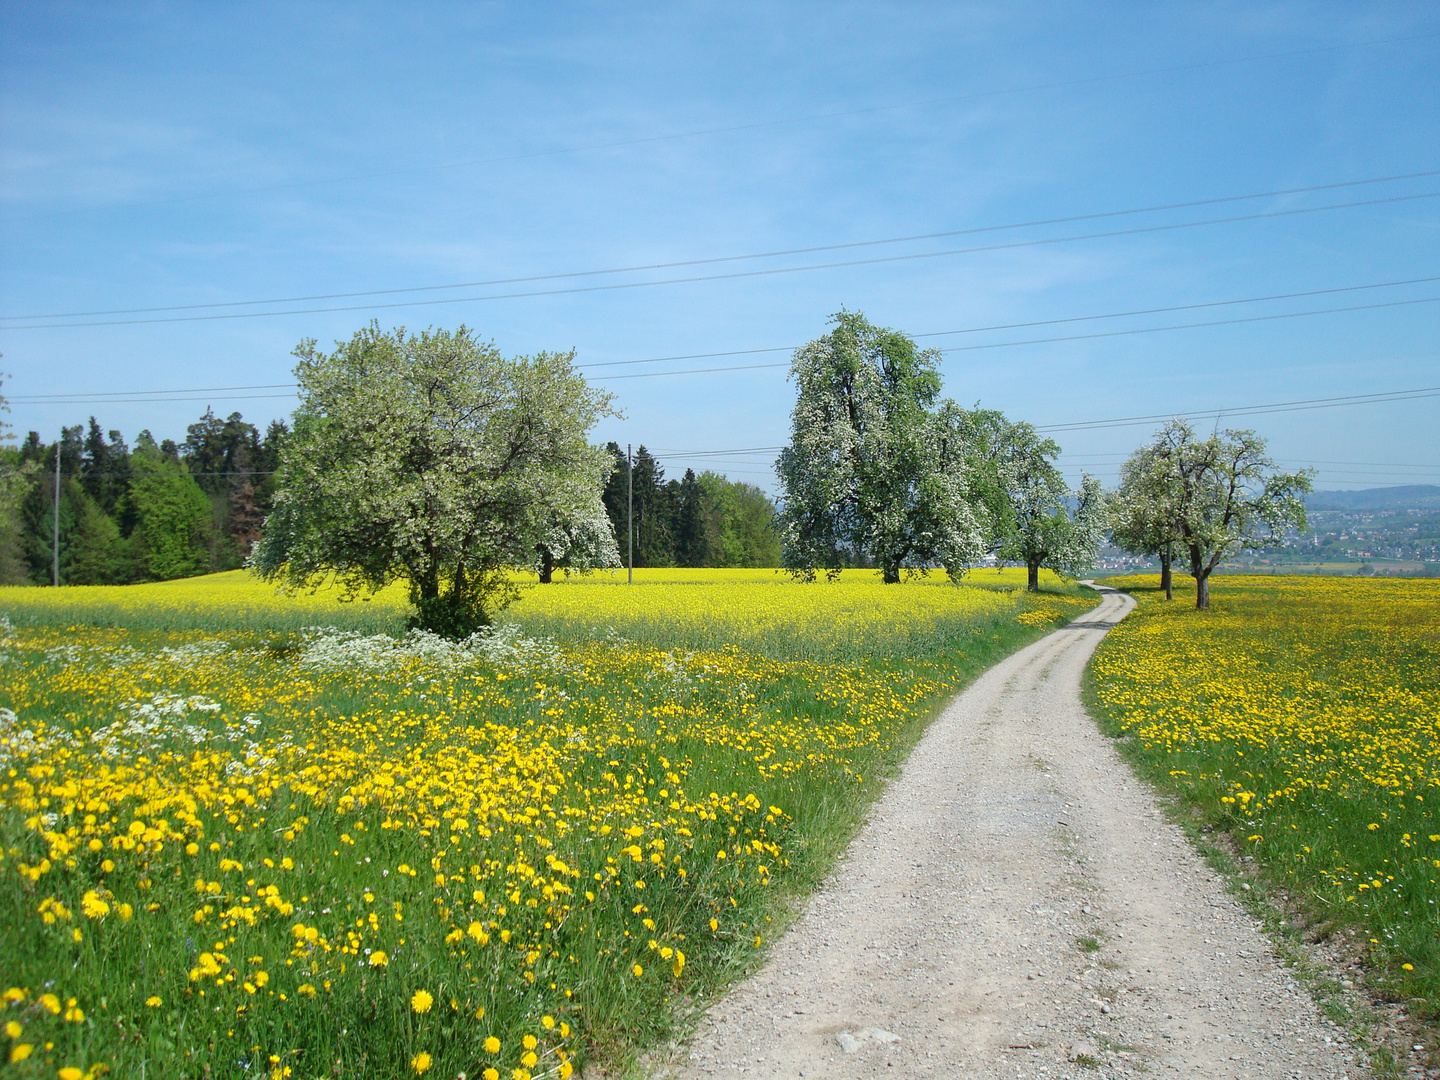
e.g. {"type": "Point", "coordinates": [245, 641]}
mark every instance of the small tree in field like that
{"type": "Point", "coordinates": [435, 460]}
{"type": "Point", "coordinates": [1225, 493]}
{"type": "Point", "coordinates": [1034, 517]}
{"type": "Point", "coordinates": [576, 545]}
{"type": "Point", "coordinates": [1144, 517]}
{"type": "Point", "coordinates": [865, 476]}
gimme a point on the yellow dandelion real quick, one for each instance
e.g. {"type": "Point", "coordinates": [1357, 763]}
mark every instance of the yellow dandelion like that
{"type": "Point", "coordinates": [420, 1062]}
{"type": "Point", "coordinates": [421, 1001]}
{"type": "Point", "coordinates": [378, 958]}
{"type": "Point", "coordinates": [492, 1045]}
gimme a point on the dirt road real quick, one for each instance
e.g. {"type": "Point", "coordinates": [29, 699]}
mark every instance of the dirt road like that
{"type": "Point", "coordinates": [1018, 906]}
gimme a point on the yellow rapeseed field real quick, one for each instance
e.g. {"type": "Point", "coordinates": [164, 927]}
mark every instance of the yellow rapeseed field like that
{"type": "Point", "coordinates": [308, 851]}
{"type": "Point", "coordinates": [1303, 715]}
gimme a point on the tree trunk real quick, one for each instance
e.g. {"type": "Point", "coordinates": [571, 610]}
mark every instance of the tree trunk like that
{"type": "Point", "coordinates": [1167, 583]}
{"type": "Point", "coordinates": [1033, 579]}
{"type": "Point", "coordinates": [547, 564]}
{"type": "Point", "coordinates": [1202, 591]}
{"type": "Point", "coordinates": [890, 572]}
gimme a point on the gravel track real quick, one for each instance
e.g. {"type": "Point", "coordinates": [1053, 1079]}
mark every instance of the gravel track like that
{"type": "Point", "coordinates": [1018, 905]}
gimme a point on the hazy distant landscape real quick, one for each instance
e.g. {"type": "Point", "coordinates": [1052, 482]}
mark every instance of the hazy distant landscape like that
{"type": "Point", "coordinates": [1389, 531]}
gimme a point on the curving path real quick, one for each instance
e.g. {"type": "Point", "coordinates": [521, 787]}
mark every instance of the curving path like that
{"type": "Point", "coordinates": [1018, 906]}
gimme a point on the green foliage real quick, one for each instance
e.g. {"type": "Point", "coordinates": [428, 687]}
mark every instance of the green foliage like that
{"type": "Point", "coordinates": [435, 460]}
{"type": "Point", "coordinates": [173, 521]}
{"type": "Point", "coordinates": [703, 520]}
{"type": "Point", "coordinates": [654, 513]}
{"type": "Point", "coordinates": [690, 538]}
{"type": "Point", "coordinates": [739, 523]}
{"type": "Point", "coordinates": [99, 554]}
{"type": "Point", "coordinates": [15, 479]}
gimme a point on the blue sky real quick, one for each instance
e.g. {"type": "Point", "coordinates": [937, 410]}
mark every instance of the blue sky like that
{"type": "Point", "coordinates": [157, 155]}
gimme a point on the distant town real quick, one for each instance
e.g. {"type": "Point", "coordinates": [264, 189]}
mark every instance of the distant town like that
{"type": "Point", "coordinates": [1391, 531]}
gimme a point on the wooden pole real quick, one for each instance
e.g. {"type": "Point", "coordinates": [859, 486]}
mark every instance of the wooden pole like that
{"type": "Point", "coordinates": [55, 526]}
{"type": "Point", "coordinates": [630, 515]}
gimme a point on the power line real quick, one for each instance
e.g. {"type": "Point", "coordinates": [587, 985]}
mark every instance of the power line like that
{"type": "Point", "coordinates": [687, 371]}
{"type": "Point", "coordinates": [141, 393]}
{"type": "Point", "coordinates": [736, 275]}
{"type": "Point", "coordinates": [1243, 410]}
{"type": "Point", "coordinates": [132, 398]}
{"type": "Point", "coordinates": [737, 258]}
{"type": "Point", "coordinates": [1250, 410]}
{"type": "Point", "coordinates": [1052, 322]}
{"type": "Point", "coordinates": [1099, 460]}
{"type": "Point", "coordinates": [1065, 337]}
{"type": "Point", "coordinates": [703, 453]}
{"type": "Point", "coordinates": [754, 126]}
{"type": "Point", "coordinates": [138, 396]}
{"type": "Point", "coordinates": [1371, 464]}
{"type": "Point", "coordinates": [144, 401]}
{"type": "Point", "coordinates": [1194, 325]}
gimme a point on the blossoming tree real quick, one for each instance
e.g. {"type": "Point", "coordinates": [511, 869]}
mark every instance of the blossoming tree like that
{"type": "Point", "coordinates": [1225, 492]}
{"type": "Point", "coordinates": [865, 474]}
{"type": "Point", "coordinates": [433, 459]}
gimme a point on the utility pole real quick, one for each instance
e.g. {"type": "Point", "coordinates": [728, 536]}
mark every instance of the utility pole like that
{"type": "Point", "coordinates": [630, 515]}
{"type": "Point", "coordinates": [55, 526]}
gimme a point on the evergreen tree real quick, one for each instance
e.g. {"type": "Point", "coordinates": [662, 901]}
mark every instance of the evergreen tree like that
{"type": "Point", "coordinates": [692, 540]}
{"type": "Point", "coordinates": [267, 465]}
{"type": "Point", "coordinates": [105, 469]}
{"type": "Point", "coordinates": [221, 456]}
{"type": "Point", "coordinates": [653, 544]}
{"type": "Point", "coordinates": [245, 518]}
{"type": "Point", "coordinates": [219, 453]}
{"type": "Point", "coordinates": [615, 496]}
{"type": "Point", "coordinates": [16, 478]}
{"type": "Point", "coordinates": [32, 450]}
{"type": "Point", "coordinates": [173, 519]}
{"type": "Point", "coordinates": [98, 553]}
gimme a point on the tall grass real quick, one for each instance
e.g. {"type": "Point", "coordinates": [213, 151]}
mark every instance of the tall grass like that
{"type": "Point", "coordinates": [244, 848]}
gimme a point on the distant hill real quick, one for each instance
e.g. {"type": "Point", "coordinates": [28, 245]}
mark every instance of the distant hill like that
{"type": "Point", "coordinates": [1402, 497]}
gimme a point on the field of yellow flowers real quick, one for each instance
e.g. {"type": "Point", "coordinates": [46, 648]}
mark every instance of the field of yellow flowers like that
{"type": "Point", "coordinates": [251, 835]}
{"type": "Point", "coordinates": [1302, 715]}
